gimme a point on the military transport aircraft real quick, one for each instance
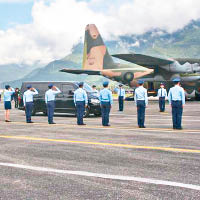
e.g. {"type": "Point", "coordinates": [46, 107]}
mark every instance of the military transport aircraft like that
{"type": "Point", "coordinates": [97, 61]}
{"type": "Point", "coordinates": [166, 69]}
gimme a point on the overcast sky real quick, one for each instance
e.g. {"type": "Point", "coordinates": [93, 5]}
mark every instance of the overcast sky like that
{"type": "Point", "coordinates": [44, 30]}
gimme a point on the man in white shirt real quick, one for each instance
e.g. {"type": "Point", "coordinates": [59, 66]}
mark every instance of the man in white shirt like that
{"type": "Point", "coordinates": [50, 101]}
{"type": "Point", "coordinates": [121, 96]}
{"type": "Point", "coordinates": [28, 102]}
{"type": "Point", "coordinates": [96, 92]}
{"type": "Point", "coordinates": [162, 94]}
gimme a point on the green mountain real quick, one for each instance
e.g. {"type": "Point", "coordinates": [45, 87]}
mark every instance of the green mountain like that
{"type": "Point", "coordinates": [182, 43]}
{"type": "Point", "coordinates": [13, 72]}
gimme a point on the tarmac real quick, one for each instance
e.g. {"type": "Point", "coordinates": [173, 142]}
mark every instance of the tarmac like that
{"type": "Point", "coordinates": [66, 161]}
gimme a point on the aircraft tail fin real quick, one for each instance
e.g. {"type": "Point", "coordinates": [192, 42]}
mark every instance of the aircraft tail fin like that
{"type": "Point", "coordinates": [95, 54]}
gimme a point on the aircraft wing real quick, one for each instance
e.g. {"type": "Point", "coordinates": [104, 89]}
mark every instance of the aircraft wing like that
{"type": "Point", "coordinates": [81, 71]}
{"type": "Point", "coordinates": [144, 60]}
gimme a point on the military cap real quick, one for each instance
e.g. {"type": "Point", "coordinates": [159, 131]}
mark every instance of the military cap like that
{"type": "Point", "coordinates": [50, 85]}
{"type": "Point", "coordinates": [29, 86]}
{"type": "Point", "coordinates": [105, 83]}
{"type": "Point", "coordinates": [7, 87]}
{"type": "Point", "coordinates": [140, 81]}
{"type": "Point", "coordinates": [80, 84]}
{"type": "Point", "coordinates": [177, 79]}
{"type": "Point", "coordinates": [162, 84]}
{"type": "Point", "coordinates": [94, 86]}
{"type": "Point", "coordinates": [120, 85]}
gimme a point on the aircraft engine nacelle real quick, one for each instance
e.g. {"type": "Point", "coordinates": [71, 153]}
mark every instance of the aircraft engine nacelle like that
{"type": "Point", "coordinates": [185, 68]}
{"type": "Point", "coordinates": [128, 77]}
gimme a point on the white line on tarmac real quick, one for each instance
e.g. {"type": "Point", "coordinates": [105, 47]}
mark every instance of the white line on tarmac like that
{"type": "Point", "coordinates": [147, 115]}
{"type": "Point", "coordinates": [104, 176]}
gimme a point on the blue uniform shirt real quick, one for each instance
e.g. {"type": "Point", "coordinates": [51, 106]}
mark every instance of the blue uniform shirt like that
{"type": "Point", "coordinates": [106, 96]}
{"type": "Point", "coordinates": [28, 96]}
{"type": "Point", "coordinates": [176, 93]}
{"type": "Point", "coordinates": [8, 94]}
{"type": "Point", "coordinates": [162, 92]}
{"type": "Point", "coordinates": [141, 94]}
{"type": "Point", "coordinates": [51, 94]}
{"type": "Point", "coordinates": [80, 95]}
{"type": "Point", "coordinates": [121, 92]}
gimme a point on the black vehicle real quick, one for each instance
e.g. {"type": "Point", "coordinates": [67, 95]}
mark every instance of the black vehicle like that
{"type": "Point", "coordinates": [64, 102]}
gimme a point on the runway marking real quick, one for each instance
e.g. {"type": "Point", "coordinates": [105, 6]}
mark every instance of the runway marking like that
{"type": "Point", "coordinates": [170, 130]}
{"type": "Point", "coordinates": [130, 146]}
{"type": "Point", "coordinates": [104, 176]}
{"type": "Point", "coordinates": [160, 115]}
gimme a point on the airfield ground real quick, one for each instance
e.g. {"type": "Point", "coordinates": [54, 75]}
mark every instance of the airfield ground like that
{"type": "Point", "coordinates": [66, 161]}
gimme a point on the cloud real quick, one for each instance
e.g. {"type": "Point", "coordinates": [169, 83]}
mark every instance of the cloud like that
{"type": "Point", "coordinates": [15, 1]}
{"type": "Point", "coordinates": [58, 24]}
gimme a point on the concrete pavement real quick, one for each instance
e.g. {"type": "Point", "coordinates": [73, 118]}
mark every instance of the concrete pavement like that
{"type": "Point", "coordinates": [65, 161]}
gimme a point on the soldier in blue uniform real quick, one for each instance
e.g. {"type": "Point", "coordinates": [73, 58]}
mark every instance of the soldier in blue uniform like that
{"type": "Point", "coordinates": [162, 94]}
{"type": "Point", "coordinates": [81, 102]}
{"type": "Point", "coordinates": [106, 101]}
{"type": "Point", "coordinates": [8, 92]}
{"type": "Point", "coordinates": [121, 97]}
{"type": "Point", "coordinates": [28, 102]}
{"type": "Point", "coordinates": [141, 101]}
{"type": "Point", "coordinates": [50, 101]}
{"type": "Point", "coordinates": [176, 99]}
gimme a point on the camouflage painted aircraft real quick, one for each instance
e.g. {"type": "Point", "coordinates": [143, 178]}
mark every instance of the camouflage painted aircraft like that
{"type": "Point", "coordinates": [97, 61]}
{"type": "Point", "coordinates": [165, 70]}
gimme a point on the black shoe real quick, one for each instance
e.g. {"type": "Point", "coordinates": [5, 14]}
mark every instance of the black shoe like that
{"type": "Point", "coordinates": [143, 127]}
{"type": "Point", "coordinates": [81, 124]}
{"type": "Point", "coordinates": [7, 121]}
{"type": "Point", "coordinates": [30, 122]}
{"type": "Point", "coordinates": [52, 123]}
{"type": "Point", "coordinates": [107, 125]}
{"type": "Point", "coordinates": [180, 128]}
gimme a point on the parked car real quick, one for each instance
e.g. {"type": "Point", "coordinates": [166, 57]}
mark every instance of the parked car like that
{"type": "Point", "coordinates": [64, 102]}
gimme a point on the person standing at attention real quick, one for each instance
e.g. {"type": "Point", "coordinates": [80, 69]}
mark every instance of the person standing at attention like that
{"type": "Point", "coordinates": [141, 101]}
{"type": "Point", "coordinates": [81, 102]}
{"type": "Point", "coordinates": [176, 98]}
{"type": "Point", "coordinates": [121, 96]}
{"type": "Point", "coordinates": [28, 102]}
{"type": "Point", "coordinates": [162, 94]}
{"type": "Point", "coordinates": [8, 92]}
{"type": "Point", "coordinates": [106, 101]}
{"type": "Point", "coordinates": [50, 101]}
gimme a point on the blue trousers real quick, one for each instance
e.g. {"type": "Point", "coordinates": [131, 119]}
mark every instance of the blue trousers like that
{"type": "Point", "coordinates": [29, 109]}
{"type": "Point", "coordinates": [177, 111]}
{"type": "Point", "coordinates": [121, 103]}
{"type": "Point", "coordinates": [80, 109]}
{"type": "Point", "coordinates": [105, 111]}
{"type": "Point", "coordinates": [141, 112]}
{"type": "Point", "coordinates": [50, 110]}
{"type": "Point", "coordinates": [162, 104]}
